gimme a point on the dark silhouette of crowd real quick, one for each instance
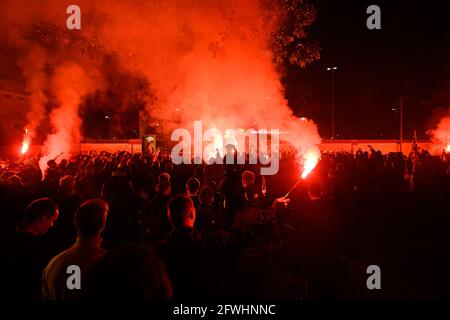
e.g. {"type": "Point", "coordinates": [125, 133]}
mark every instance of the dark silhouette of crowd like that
{"type": "Point", "coordinates": [140, 227]}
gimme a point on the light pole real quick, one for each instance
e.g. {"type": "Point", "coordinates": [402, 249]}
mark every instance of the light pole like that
{"type": "Point", "coordinates": [395, 110]}
{"type": "Point", "coordinates": [399, 113]}
{"type": "Point", "coordinates": [333, 131]}
{"type": "Point", "coordinates": [401, 124]}
{"type": "Point", "coordinates": [109, 126]}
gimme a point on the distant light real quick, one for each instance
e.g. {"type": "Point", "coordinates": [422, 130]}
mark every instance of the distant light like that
{"type": "Point", "coordinates": [157, 124]}
{"type": "Point", "coordinates": [448, 148]}
{"type": "Point", "coordinates": [328, 69]}
{"type": "Point", "coordinates": [177, 109]}
{"type": "Point", "coordinates": [331, 68]}
{"type": "Point", "coordinates": [303, 119]}
{"type": "Point", "coordinates": [393, 109]}
{"type": "Point", "coordinates": [107, 117]}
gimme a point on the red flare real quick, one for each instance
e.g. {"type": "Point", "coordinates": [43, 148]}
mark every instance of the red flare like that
{"type": "Point", "coordinates": [310, 162]}
{"type": "Point", "coordinates": [25, 147]}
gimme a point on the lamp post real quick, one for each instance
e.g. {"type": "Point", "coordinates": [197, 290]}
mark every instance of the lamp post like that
{"type": "Point", "coordinates": [109, 126]}
{"type": "Point", "coordinates": [399, 118]}
{"type": "Point", "coordinates": [333, 131]}
{"type": "Point", "coordinates": [401, 124]}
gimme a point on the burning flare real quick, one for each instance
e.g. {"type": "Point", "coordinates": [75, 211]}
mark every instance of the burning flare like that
{"type": "Point", "coordinates": [25, 143]}
{"type": "Point", "coordinates": [311, 159]}
{"type": "Point", "coordinates": [25, 147]}
{"type": "Point", "coordinates": [310, 162]}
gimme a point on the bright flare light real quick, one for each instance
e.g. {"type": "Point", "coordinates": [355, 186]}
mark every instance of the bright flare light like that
{"type": "Point", "coordinates": [25, 147]}
{"type": "Point", "coordinates": [25, 142]}
{"type": "Point", "coordinates": [311, 160]}
{"type": "Point", "coordinates": [448, 148]}
{"type": "Point", "coordinates": [217, 145]}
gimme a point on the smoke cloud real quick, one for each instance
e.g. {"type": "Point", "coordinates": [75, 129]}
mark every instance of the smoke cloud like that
{"type": "Point", "coordinates": [33, 69]}
{"type": "Point", "coordinates": [69, 84]}
{"type": "Point", "coordinates": [440, 135]}
{"type": "Point", "coordinates": [202, 60]}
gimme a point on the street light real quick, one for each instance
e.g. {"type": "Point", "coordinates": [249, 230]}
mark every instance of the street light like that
{"type": "Point", "coordinates": [399, 112]}
{"type": "Point", "coordinates": [332, 70]}
{"type": "Point", "coordinates": [109, 126]}
{"type": "Point", "coordinates": [395, 111]}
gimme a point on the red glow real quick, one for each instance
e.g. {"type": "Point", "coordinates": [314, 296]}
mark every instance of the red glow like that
{"type": "Point", "coordinates": [25, 147]}
{"type": "Point", "coordinates": [310, 162]}
{"type": "Point", "coordinates": [221, 71]}
{"type": "Point", "coordinates": [440, 135]}
{"type": "Point", "coordinates": [25, 142]}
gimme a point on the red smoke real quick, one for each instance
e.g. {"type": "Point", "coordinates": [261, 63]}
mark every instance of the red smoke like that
{"type": "Point", "coordinates": [441, 134]}
{"type": "Point", "coordinates": [69, 84]}
{"type": "Point", "coordinates": [203, 60]}
{"type": "Point", "coordinates": [209, 61]}
{"type": "Point", "coordinates": [32, 66]}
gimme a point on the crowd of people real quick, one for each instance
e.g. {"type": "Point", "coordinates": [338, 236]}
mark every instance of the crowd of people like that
{"type": "Point", "coordinates": [139, 227]}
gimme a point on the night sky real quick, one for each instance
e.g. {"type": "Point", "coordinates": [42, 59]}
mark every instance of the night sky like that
{"type": "Point", "coordinates": [409, 56]}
